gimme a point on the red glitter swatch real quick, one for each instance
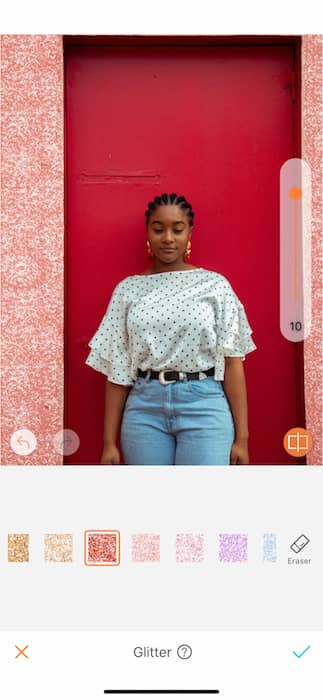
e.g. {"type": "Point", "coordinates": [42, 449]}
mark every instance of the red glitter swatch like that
{"type": "Point", "coordinates": [102, 547]}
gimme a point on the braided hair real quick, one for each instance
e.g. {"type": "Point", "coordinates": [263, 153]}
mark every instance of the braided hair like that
{"type": "Point", "coordinates": [166, 199]}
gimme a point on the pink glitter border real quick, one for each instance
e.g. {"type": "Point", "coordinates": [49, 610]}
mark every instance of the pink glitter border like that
{"type": "Point", "coordinates": [312, 130]}
{"type": "Point", "coordinates": [32, 296]}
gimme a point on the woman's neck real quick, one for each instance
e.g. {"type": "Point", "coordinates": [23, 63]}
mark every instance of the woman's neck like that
{"type": "Point", "coordinates": [157, 268]}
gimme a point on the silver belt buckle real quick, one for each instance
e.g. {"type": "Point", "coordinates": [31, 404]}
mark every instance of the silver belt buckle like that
{"type": "Point", "coordinates": [162, 379]}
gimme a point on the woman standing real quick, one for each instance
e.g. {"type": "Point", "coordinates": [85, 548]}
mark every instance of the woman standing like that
{"type": "Point", "coordinates": [171, 345]}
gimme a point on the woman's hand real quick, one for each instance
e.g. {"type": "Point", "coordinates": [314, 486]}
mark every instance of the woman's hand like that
{"type": "Point", "coordinates": [110, 455]}
{"type": "Point", "coordinates": [239, 452]}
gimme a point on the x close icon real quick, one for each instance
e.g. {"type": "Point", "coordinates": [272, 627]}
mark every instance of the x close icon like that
{"type": "Point", "coordinates": [22, 651]}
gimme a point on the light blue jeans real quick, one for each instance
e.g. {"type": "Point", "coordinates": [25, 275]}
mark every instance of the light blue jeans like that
{"type": "Point", "coordinates": [186, 423]}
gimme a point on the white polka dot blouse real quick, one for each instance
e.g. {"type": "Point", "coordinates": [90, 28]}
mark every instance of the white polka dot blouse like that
{"type": "Point", "coordinates": [186, 320]}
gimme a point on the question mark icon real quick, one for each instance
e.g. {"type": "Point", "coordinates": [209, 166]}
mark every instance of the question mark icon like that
{"type": "Point", "coordinates": [184, 651]}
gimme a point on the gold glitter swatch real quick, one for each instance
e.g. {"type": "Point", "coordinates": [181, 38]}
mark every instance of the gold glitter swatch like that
{"type": "Point", "coordinates": [58, 548]}
{"type": "Point", "coordinates": [18, 548]}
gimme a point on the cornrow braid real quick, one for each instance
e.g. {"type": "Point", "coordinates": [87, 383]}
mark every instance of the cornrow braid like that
{"type": "Point", "coordinates": [166, 199]}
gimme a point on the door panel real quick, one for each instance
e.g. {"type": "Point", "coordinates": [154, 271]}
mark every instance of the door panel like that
{"type": "Point", "coordinates": [214, 123]}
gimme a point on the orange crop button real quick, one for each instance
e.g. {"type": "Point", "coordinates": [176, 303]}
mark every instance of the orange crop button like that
{"type": "Point", "coordinates": [298, 442]}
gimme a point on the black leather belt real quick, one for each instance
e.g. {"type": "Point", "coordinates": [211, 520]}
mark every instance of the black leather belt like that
{"type": "Point", "coordinates": [169, 376]}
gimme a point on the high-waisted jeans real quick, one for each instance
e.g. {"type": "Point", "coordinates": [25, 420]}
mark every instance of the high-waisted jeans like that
{"type": "Point", "coordinates": [186, 423]}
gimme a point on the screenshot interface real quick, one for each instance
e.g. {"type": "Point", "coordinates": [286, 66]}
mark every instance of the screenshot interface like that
{"type": "Point", "coordinates": [161, 471]}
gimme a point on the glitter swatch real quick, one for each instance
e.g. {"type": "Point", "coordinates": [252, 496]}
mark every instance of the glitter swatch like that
{"type": "Point", "coordinates": [18, 548]}
{"type": "Point", "coordinates": [145, 547]}
{"type": "Point", "coordinates": [269, 547]}
{"type": "Point", "coordinates": [189, 547]}
{"type": "Point", "coordinates": [58, 548]}
{"type": "Point", "coordinates": [233, 548]}
{"type": "Point", "coordinates": [102, 547]}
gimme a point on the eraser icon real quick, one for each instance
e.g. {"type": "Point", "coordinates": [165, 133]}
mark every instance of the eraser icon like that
{"type": "Point", "coordinates": [299, 544]}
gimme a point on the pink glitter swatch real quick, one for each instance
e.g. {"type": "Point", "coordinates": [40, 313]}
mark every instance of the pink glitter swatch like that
{"type": "Point", "coordinates": [145, 547]}
{"type": "Point", "coordinates": [102, 547]}
{"type": "Point", "coordinates": [189, 547]}
{"type": "Point", "coordinates": [233, 548]}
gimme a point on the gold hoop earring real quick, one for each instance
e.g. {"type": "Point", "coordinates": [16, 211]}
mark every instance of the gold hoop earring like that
{"type": "Point", "coordinates": [187, 253]}
{"type": "Point", "coordinates": [149, 250]}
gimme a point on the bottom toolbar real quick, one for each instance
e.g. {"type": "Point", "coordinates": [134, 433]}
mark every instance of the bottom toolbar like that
{"type": "Point", "coordinates": [91, 665]}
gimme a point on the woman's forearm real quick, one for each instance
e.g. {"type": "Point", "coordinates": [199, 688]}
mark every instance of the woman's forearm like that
{"type": "Point", "coordinates": [115, 399]}
{"type": "Point", "coordinates": [236, 391]}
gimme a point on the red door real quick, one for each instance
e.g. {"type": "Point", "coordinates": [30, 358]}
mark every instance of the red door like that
{"type": "Point", "coordinates": [214, 123]}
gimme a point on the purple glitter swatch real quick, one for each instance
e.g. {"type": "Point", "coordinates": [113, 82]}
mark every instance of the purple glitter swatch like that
{"type": "Point", "coordinates": [233, 548]}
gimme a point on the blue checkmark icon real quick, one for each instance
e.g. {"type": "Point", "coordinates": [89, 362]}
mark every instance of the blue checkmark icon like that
{"type": "Point", "coordinates": [299, 656]}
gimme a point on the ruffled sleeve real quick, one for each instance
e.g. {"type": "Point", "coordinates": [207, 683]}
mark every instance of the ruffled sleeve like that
{"type": "Point", "coordinates": [232, 327]}
{"type": "Point", "coordinates": [109, 345]}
